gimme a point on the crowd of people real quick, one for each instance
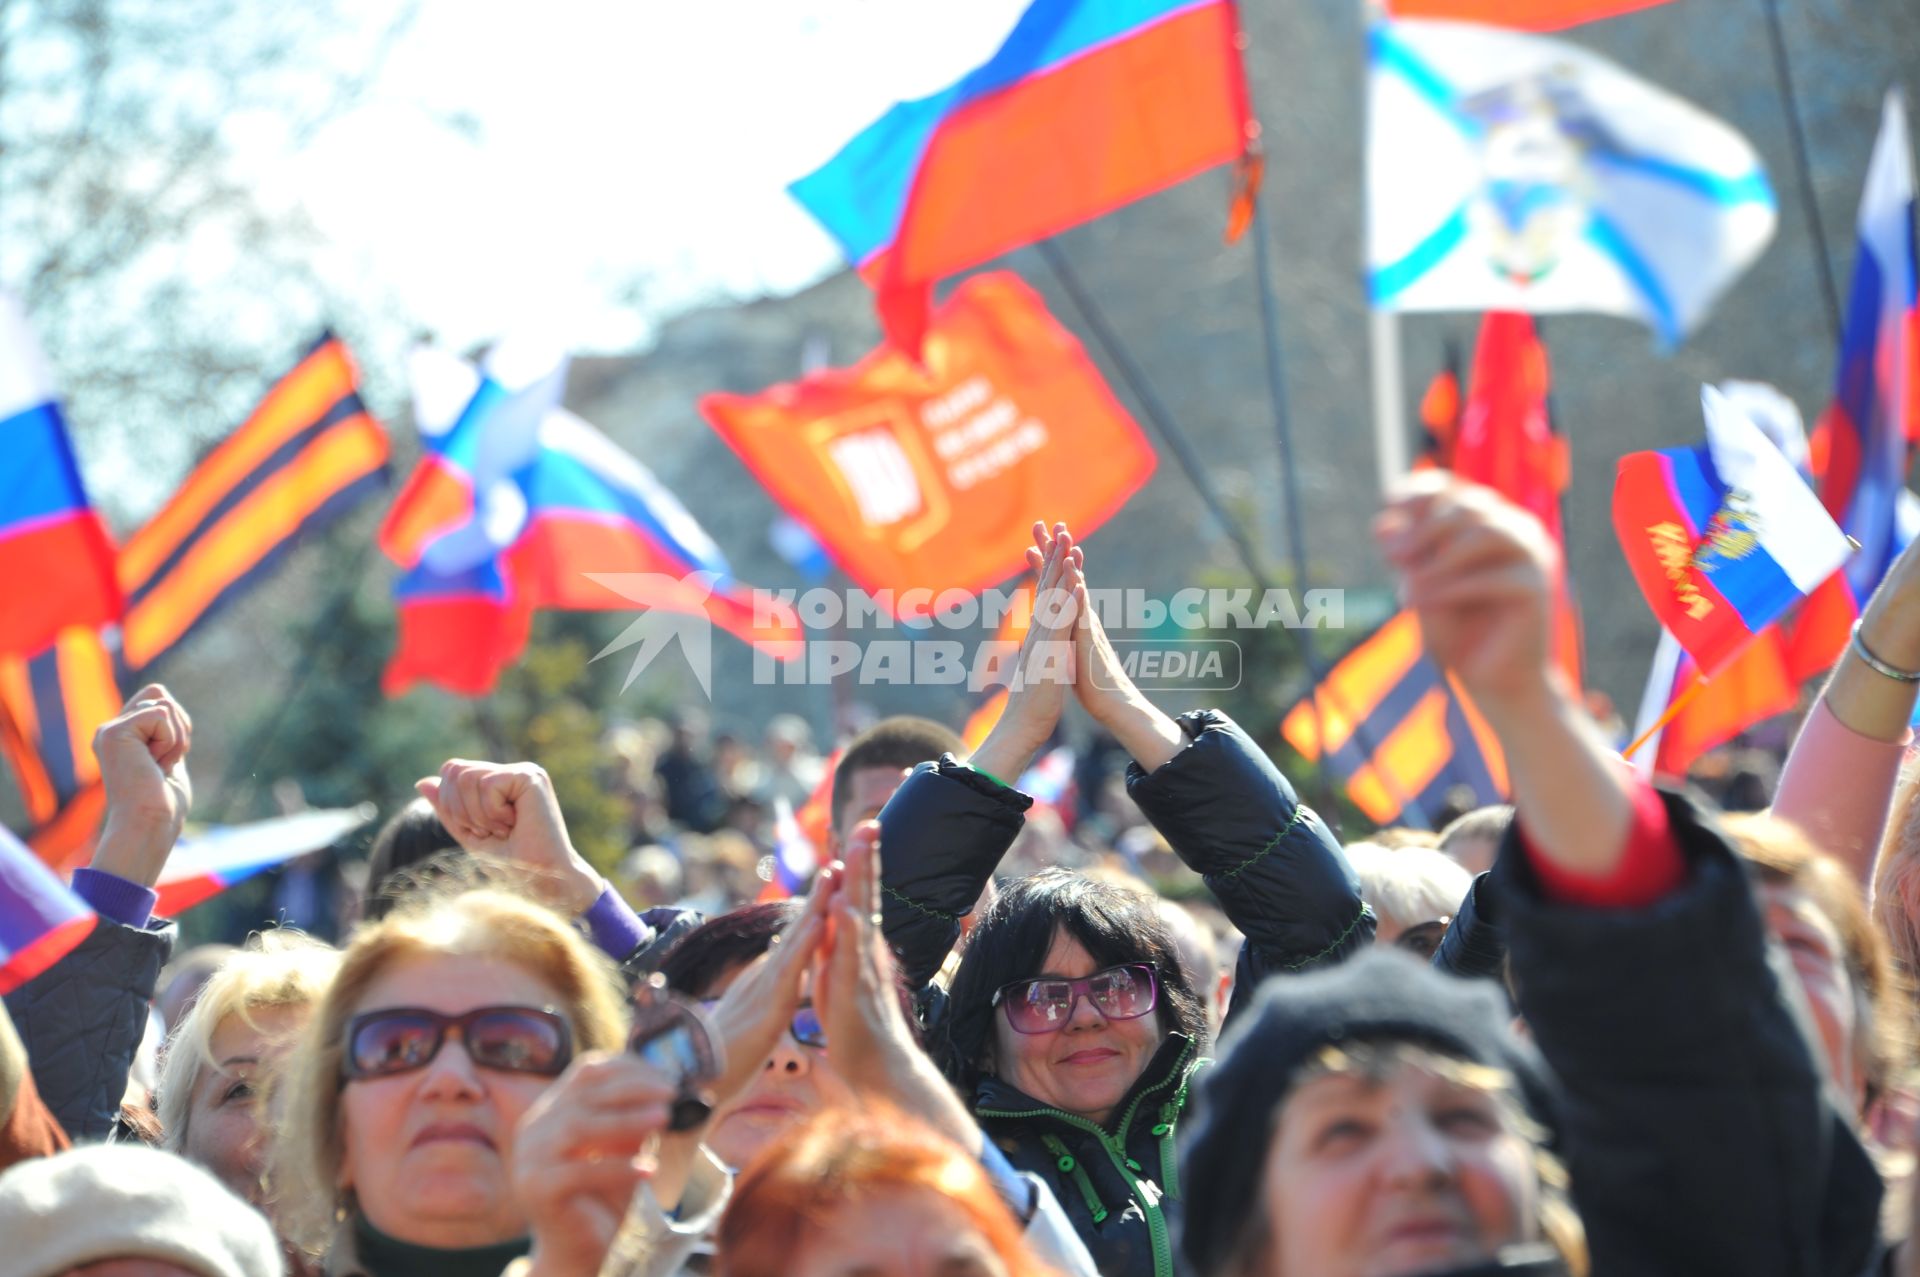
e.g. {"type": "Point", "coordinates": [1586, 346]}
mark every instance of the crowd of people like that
{"type": "Point", "coordinates": [1605, 1030]}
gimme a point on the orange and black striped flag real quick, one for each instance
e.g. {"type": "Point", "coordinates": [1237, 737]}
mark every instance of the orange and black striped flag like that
{"type": "Point", "coordinates": [50, 706]}
{"type": "Point", "coordinates": [308, 452]}
{"type": "Point", "coordinates": [1402, 736]}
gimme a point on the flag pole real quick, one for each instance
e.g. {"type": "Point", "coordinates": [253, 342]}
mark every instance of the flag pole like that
{"type": "Point", "coordinates": [1289, 467]}
{"type": "Point", "coordinates": [1389, 407]}
{"type": "Point", "coordinates": [1679, 703]}
{"type": "Point", "coordinates": [1190, 464]}
{"type": "Point", "coordinates": [1803, 170]}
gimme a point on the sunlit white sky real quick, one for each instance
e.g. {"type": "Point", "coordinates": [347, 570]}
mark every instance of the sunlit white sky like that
{"type": "Point", "coordinates": [617, 142]}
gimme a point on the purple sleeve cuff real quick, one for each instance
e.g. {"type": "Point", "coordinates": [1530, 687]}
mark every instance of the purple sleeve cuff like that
{"type": "Point", "coordinates": [616, 928]}
{"type": "Point", "coordinates": [112, 896]}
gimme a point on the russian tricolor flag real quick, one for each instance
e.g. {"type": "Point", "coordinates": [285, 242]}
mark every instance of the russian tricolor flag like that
{"type": "Point", "coordinates": [794, 856]}
{"type": "Point", "coordinates": [1088, 105]}
{"type": "Point", "coordinates": [55, 555]}
{"type": "Point", "coordinates": [40, 919]}
{"type": "Point", "coordinates": [521, 505]}
{"type": "Point", "coordinates": [205, 863]}
{"type": "Point", "coordinates": [1862, 445]}
{"type": "Point", "coordinates": [1724, 537]}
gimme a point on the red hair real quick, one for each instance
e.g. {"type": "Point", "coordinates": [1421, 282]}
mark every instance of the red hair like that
{"type": "Point", "coordinates": [842, 1155]}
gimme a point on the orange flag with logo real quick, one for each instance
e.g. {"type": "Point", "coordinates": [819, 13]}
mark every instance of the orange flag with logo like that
{"type": "Point", "coordinates": [931, 477]}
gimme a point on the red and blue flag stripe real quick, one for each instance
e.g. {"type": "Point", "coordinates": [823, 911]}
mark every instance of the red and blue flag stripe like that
{"type": "Point", "coordinates": [40, 919]}
{"type": "Point", "coordinates": [1088, 105]}
{"type": "Point", "coordinates": [1863, 443]}
{"type": "Point", "coordinates": [55, 554]}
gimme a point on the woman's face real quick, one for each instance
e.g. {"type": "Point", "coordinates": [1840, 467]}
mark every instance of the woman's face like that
{"type": "Point", "coordinates": [428, 1152]}
{"type": "Point", "coordinates": [1819, 959]}
{"type": "Point", "coordinates": [1090, 1062]}
{"type": "Point", "coordinates": [905, 1232]}
{"type": "Point", "coordinates": [1389, 1178]}
{"type": "Point", "coordinates": [796, 1081]}
{"type": "Point", "coordinates": [226, 1126]}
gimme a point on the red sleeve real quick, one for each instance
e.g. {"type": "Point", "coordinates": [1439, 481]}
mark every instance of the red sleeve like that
{"type": "Point", "coordinates": [1649, 869]}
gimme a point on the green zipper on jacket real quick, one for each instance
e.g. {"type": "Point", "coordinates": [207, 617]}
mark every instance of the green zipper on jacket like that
{"type": "Point", "coordinates": [1116, 1150]}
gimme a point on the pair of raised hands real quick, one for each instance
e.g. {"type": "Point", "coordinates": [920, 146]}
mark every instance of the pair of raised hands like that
{"type": "Point", "coordinates": [1066, 646]}
{"type": "Point", "coordinates": [591, 1139]}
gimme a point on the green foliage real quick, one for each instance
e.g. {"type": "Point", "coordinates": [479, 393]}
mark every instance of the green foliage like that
{"type": "Point", "coordinates": [544, 712]}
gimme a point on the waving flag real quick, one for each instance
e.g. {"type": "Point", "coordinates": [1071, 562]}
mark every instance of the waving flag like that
{"type": "Point", "coordinates": [51, 703]}
{"type": "Point", "coordinates": [1534, 15]}
{"type": "Point", "coordinates": [520, 505]}
{"type": "Point", "coordinates": [1762, 680]}
{"type": "Point", "coordinates": [40, 920]}
{"type": "Point", "coordinates": [1515, 172]}
{"type": "Point", "coordinates": [1754, 686]}
{"type": "Point", "coordinates": [309, 452]}
{"type": "Point", "coordinates": [55, 556]}
{"type": "Point", "coordinates": [206, 862]}
{"type": "Point", "coordinates": [1722, 538]}
{"type": "Point", "coordinates": [928, 477]}
{"type": "Point", "coordinates": [1863, 443]}
{"type": "Point", "coordinates": [1506, 441]}
{"type": "Point", "coordinates": [1400, 733]}
{"type": "Point", "coordinates": [1089, 105]}
{"type": "Point", "coordinates": [794, 857]}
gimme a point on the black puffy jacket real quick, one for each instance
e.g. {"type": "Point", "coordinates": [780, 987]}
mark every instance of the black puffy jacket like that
{"type": "Point", "coordinates": [1697, 1125]}
{"type": "Point", "coordinates": [1231, 816]}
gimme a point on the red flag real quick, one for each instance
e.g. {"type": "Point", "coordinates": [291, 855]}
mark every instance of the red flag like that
{"type": "Point", "coordinates": [1507, 442]}
{"type": "Point", "coordinates": [930, 477]}
{"type": "Point", "coordinates": [1529, 15]}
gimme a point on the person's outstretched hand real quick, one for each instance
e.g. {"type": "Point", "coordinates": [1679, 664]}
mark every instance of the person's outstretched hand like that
{"type": "Point", "coordinates": [1109, 696]}
{"type": "Point", "coordinates": [581, 1151]}
{"type": "Point", "coordinates": [857, 995]}
{"type": "Point", "coordinates": [143, 769]}
{"type": "Point", "coordinates": [508, 810]}
{"type": "Point", "coordinates": [1044, 666]}
{"type": "Point", "coordinates": [1479, 572]}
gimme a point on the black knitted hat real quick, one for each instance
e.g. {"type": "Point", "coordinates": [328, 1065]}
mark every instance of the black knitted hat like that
{"type": "Point", "coordinates": [1380, 995]}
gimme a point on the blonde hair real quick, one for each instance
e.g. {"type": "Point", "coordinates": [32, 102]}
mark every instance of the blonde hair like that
{"type": "Point", "coordinates": [487, 923]}
{"type": "Point", "coordinates": [1785, 856]}
{"type": "Point", "coordinates": [1409, 885]}
{"type": "Point", "coordinates": [278, 968]}
{"type": "Point", "coordinates": [1896, 876]}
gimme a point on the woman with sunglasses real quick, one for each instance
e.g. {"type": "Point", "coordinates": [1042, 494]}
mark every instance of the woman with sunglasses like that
{"type": "Point", "coordinates": [444, 1025]}
{"type": "Point", "coordinates": [1071, 1022]}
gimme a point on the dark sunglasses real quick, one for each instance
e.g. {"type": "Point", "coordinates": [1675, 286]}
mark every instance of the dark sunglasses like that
{"type": "Point", "coordinates": [511, 1039]}
{"type": "Point", "coordinates": [1125, 992]}
{"type": "Point", "coordinates": [805, 1027]}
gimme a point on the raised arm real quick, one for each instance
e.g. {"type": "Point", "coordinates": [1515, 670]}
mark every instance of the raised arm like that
{"type": "Point", "coordinates": [1230, 815]}
{"type": "Point", "coordinates": [1640, 957]}
{"type": "Point", "coordinates": [950, 823]}
{"type": "Point", "coordinates": [82, 1019]}
{"type": "Point", "coordinates": [1839, 778]}
{"type": "Point", "coordinates": [508, 811]}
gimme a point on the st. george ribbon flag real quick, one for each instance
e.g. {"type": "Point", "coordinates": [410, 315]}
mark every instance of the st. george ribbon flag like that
{"type": "Point", "coordinates": [1508, 171]}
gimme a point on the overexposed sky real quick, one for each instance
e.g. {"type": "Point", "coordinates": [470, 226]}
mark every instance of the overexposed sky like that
{"type": "Point", "coordinates": [618, 143]}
